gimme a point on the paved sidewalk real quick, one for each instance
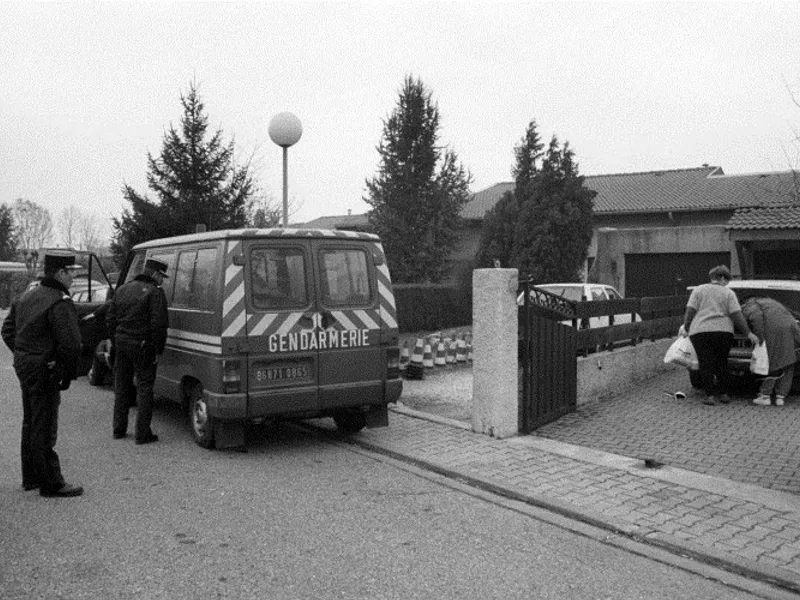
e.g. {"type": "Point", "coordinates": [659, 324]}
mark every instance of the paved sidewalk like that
{"type": "Point", "coordinates": [742, 527]}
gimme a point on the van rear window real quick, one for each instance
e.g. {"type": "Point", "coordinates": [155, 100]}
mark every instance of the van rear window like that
{"type": "Point", "coordinates": [345, 277]}
{"type": "Point", "coordinates": [278, 278]}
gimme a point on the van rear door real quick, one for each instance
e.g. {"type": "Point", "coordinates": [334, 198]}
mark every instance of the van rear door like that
{"type": "Point", "coordinates": [352, 354]}
{"type": "Point", "coordinates": [282, 363]}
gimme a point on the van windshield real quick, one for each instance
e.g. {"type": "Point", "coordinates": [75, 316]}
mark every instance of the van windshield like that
{"type": "Point", "coordinates": [278, 278]}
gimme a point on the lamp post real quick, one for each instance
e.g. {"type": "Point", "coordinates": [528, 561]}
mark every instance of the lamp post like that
{"type": "Point", "coordinates": [285, 130]}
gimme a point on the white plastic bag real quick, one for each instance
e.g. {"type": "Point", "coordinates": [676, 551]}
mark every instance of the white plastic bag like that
{"type": "Point", "coordinates": [682, 353]}
{"type": "Point", "coordinates": [759, 361]}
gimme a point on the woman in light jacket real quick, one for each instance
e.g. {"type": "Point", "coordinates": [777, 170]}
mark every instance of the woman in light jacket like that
{"type": "Point", "coordinates": [711, 313]}
{"type": "Point", "coordinates": [772, 322]}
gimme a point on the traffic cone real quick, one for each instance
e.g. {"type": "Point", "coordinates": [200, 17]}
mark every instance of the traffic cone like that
{"type": "Point", "coordinates": [461, 350]}
{"type": "Point", "coordinates": [415, 370]}
{"type": "Point", "coordinates": [451, 352]}
{"type": "Point", "coordinates": [404, 357]}
{"type": "Point", "coordinates": [440, 359]}
{"type": "Point", "coordinates": [427, 357]}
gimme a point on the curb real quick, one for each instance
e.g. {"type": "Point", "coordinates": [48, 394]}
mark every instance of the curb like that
{"type": "Point", "coordinates": [750, 569]}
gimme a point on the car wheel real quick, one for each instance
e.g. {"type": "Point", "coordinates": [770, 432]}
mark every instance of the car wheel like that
{"type": "Point", "coordinates": [350, 421]}
{"type": "Point", "coordinates": [199, 420]}
{"type": "Point", "coordinates": [695, 379]}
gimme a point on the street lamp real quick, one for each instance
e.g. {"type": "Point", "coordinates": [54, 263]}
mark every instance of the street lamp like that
{"type": "Point", "coordinates": [285, 129]}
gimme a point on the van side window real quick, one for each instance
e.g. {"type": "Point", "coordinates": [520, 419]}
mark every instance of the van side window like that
{"type": "Point", "coordinates": [278, 278]}
{"type": "Point", "coordinates": [194, 279]}
{"type": "Point", "coordinates": [345, 277]}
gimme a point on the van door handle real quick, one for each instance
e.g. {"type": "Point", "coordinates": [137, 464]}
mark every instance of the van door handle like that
{"type": "Point", "coordinates": [307, 321]}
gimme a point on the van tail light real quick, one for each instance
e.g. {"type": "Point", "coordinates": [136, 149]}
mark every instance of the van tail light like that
{"type": "Point", "coordinates": [392, 363]}
{"type": "Point", "coordinates": [231, 377]}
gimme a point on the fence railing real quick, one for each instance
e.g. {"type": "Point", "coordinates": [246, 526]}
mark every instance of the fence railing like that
{"type": "Point", "coordinates": [609, 324]}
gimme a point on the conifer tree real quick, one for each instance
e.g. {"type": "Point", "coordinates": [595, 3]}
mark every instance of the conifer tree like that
{"type": "Point", "coordinates": [545, 227]}
{"type": "Point", "coordinates": [195, 180]}
{"type": "Point", "coordinates": [8, 244]}
{"type": "Point", "coordinates": [419, 190]}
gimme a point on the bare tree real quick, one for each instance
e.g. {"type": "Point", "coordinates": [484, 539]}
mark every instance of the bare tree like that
{"type": "Point", "coordinates": [34, 227]}
{"type": "Point", "coordinates": [67, 224]}
{"type": "Point", "coordinates": [88, 233]}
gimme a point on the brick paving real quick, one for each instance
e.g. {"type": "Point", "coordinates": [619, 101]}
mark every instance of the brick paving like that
{"type": "Point", "coordinates": [738, 441]}
{"type": "Point", "coordinates": [736, 513]}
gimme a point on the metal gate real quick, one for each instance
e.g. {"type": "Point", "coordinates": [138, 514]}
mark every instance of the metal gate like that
{"type": "Point", "coordinates": [547, 355]}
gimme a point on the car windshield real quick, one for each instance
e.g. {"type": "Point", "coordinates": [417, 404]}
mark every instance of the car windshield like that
{"type": "Point", "coordinates": [574, 293]}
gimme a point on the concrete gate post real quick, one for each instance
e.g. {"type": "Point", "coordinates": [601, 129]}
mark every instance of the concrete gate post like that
{"type": "Point", "coordinates": [494, 342]}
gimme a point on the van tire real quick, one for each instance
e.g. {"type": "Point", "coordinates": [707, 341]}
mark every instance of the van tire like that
{"type": "Point", "coordinates": [201, 424]}
{"type": "Point", "coordinates": [350, 421]}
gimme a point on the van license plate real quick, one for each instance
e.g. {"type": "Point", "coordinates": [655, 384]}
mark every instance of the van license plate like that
{"type": "Point", "coordinates": [281, 373]}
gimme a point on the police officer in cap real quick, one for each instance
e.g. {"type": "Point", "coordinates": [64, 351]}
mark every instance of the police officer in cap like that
{"type": "Point", "coordinates": [137, 322]}
{"type": "Point", "coordinates": [42, 331]}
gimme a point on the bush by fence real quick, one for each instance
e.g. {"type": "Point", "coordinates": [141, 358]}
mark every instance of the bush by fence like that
{"type": "Point", "coordinates": [428, 307]}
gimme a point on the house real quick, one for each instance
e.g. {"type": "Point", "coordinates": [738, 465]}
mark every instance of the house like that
{"type": "Point", "coordinates": [657, 232]}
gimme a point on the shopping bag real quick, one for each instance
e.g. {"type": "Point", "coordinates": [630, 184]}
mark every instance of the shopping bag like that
{"type": "Point", "coordinates": [682, 353]}
{"type": "Point", "coordinates": [759, 361]}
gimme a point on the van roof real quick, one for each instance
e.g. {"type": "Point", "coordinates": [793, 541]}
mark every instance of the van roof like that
{"type": "Point", "coordinates": [277, 232]}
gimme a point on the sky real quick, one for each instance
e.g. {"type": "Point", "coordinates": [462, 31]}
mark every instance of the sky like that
{"type": "Point", "coordinates": [88, 89]}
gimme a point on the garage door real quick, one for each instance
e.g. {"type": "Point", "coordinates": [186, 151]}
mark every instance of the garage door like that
{"type": "Point", "coordinates": [669, 273]}
{"type": "Point", "coordinates": [776, 264]}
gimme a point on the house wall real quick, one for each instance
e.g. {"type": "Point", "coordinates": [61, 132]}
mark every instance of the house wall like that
{"type": "Point", "coordinates": [695, 231]}
{"type": "Point", "coordinates": [614, 244]}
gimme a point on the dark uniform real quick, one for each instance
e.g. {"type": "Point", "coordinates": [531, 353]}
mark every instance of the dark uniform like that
{"type": "Point", "coordinates": [42, 331]}
{"type": "Point", "coordinates": [137, 321]}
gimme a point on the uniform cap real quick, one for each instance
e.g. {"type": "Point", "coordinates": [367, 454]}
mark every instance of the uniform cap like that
{"type": "Point", "coordinates": [157, 266]}
{"type": "Point", "coordinates": [59, 260]}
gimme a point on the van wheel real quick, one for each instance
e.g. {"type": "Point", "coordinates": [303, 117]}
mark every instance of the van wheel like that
{"type": "Point", "coordinates": [350, 421]}
{"type": "Point", "coordinates": [202, 425]}
{"type": "Point", "coordinates": [695, 379]}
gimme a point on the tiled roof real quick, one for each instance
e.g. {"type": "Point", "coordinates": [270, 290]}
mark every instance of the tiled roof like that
{"type": "Point", "coordinates": [787, 217]}
{"type": "Point", "coordinates": [339, 222]}
{"type": "Point", "coordinates": [703, 188]}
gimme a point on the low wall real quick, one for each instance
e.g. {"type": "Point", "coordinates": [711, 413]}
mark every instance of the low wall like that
{"type": "Point", "coordinates": [604, 374]}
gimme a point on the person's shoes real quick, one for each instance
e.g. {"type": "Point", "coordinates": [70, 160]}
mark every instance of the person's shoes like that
{"type": "Point", "coordinates": [65, 491]}
{"type": "Point", "coordinates": [152, 437]}
{"type": "Point", "coordinates": [725, 399]}
{"type": "Point", "coordinates": [710, 400]}
{"type": "Point", "coordinates": [118, 435]}
{"type": "Point", "coordinates": [779, 400]}
{"type": "Point", "coordinates": [30, 486]}
{"type": "Point", "coordinates": [762, 400]}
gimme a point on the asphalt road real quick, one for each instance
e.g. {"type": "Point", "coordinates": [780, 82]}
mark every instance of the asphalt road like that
{"type": "Point", "coordinates": [298, 516]}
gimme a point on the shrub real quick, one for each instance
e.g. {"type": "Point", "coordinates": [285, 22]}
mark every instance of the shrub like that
{"type": "Point", "coordinates": [429, 307]}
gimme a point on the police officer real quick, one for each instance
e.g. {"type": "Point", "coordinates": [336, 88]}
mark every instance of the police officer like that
{"type": "Point", "coordinates": [137, 322]}
{"type": "Point", "coordinates": [42, 331]}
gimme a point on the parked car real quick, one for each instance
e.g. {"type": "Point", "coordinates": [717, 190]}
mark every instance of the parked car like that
{"type": "Point", "coordinates": [787, 292]}
{"type": "Point", "coordinates": [586, 292]}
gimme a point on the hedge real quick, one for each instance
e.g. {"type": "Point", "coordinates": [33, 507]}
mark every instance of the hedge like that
{"type": "Point", "coordinates": [429, 307]}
